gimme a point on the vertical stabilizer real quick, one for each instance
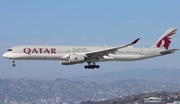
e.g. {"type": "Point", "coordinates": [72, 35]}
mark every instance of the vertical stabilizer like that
{"type": "Point", "coordinates": [165, 40]}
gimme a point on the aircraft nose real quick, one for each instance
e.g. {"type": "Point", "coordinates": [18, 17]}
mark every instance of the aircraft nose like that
{"type": "Point", "coordinates": [5, 55]}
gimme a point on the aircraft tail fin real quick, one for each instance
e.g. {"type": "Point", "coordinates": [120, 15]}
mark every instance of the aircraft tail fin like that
{"type": "Point", "coordinates": [165, 40]}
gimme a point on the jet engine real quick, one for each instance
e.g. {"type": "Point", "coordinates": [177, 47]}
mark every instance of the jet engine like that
{"type": "Point", "coordinates": [73, 59]}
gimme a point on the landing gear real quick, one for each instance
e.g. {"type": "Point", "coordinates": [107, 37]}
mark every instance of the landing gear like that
{"type": "Point", "coordinates": [13, 61]}
{"type": "Point", "coordinates": [13, 65]}
{"type": "Point", "coordinates": [89, 66]}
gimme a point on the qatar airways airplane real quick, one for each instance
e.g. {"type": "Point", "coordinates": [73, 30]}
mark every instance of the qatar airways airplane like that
{"type": "Point", "coordinates": [69, 55]}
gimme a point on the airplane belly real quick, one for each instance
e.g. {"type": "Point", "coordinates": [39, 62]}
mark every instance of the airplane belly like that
{"type": "Point", "coordinates": [127, 57]}
{"type": "Point", "coordinates": [22, 56]}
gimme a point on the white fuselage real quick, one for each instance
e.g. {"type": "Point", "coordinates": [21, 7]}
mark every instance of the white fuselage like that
{"type": "Point", "coordinates": [60, 52]}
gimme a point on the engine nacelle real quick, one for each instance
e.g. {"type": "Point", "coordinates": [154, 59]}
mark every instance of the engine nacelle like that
{"type": "Point", "coordinates": [73, 59]}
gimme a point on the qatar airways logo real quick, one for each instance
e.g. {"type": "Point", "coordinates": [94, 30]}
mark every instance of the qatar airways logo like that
{"type": "Point", "coordinates": [166, 40]}
{"type": "Point", "coordinates": [30, 51]}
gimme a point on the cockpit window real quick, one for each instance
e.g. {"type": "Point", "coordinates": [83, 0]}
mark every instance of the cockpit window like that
{"type": "Point", "coordinates": [9, 50]}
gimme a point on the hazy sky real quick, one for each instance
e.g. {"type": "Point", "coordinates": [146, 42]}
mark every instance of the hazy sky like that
{"type": "Point", "coordinates": [82, 22]}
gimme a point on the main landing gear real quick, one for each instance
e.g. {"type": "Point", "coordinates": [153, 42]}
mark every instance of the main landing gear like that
{"type": "Point", "coordinates": [13, 61]}
{"type": "Point", "coordinates": [89, 66]}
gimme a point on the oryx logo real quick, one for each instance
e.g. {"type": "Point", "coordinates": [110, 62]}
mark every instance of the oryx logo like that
{"type": "Point", "coordinates": [75, 58]}
{"type": "Point", "coordinates": [166, 40]}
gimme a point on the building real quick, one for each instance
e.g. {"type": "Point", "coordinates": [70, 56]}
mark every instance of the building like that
{"type": "Point", "coordinates": [175, 102]}
{"type": "Point", "coordinates": [154, 100]}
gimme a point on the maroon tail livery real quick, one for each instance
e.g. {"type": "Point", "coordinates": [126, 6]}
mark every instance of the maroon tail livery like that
{"type": "Point", "coordinates": [165, 41]}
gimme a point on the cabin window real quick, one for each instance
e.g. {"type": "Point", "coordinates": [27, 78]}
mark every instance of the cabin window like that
{"type": "Point", "coordinates": [9, 50]}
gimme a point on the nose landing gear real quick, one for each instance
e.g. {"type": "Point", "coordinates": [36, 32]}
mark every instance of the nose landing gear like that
{"type": "Point", "coordinates": [89, 66]}
{"type": "Point", "coordinates": [13, 61]}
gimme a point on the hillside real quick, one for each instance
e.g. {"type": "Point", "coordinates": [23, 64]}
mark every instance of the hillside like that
{"type": "Point", "coordinates": [156, 75]}
{"type": "Point", "coordinates": [169, 97]}
{"type": "Point", "coordinates": [61, 90]}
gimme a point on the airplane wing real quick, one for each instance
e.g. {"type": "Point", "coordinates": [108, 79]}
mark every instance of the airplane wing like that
{"type": "Point", "coordinates": [105, 52]}
{"type": "Point", "coordinates": [168, 51]}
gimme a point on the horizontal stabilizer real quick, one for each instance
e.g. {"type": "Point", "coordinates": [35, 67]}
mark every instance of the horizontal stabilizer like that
{"type": "Point", "coordinates": [168, 51]}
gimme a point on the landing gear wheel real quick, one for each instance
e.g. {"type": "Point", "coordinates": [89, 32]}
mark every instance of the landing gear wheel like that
{"type": "Point", "coordinates": [92, 66]}
{"type": "Point", "coordinates": [13, 61]}
{"type": "Point", "coordinates": [97, 66]}
{"type": "Point", "coordinates": [85, 67]}
{"type": "Point", "coordinates": [89, 66]}
{"type": "Point", "coordinates": [13, 65]}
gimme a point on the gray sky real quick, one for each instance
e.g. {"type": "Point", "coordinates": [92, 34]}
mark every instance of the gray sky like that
{"type": "Point", "coordinates": [81, 22]}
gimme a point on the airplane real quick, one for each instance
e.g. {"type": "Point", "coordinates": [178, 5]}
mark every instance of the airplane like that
{"type": "Point", "coordinates": [70, 55]}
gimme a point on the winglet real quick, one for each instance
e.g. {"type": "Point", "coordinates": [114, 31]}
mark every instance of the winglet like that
{"type": "Point", "coordinates": [135, 41]}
